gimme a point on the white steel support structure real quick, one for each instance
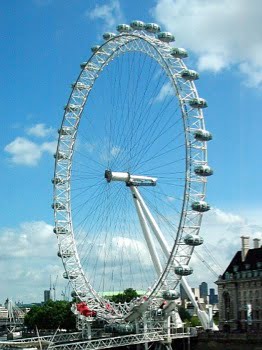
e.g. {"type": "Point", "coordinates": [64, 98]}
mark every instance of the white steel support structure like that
{"type": "Point", "coordinates": [148, 238]}
{"type": "Point", "coordinates": [145, 213]}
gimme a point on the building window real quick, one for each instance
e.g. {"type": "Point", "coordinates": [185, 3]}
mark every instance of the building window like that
{"type": "Point", "coordinates": [226, 299]}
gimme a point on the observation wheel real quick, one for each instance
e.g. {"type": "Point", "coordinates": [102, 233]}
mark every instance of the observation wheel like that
{"type": "Point", "coordinates": [130, 172]}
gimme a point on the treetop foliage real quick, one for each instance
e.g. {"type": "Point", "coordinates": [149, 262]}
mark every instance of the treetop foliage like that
{"type": "Point", "coordinates": [128, 295]}
{"type": "Point", "coordinates": [51, 315]}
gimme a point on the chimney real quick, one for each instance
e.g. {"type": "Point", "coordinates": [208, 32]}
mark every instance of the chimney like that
{"type": "Point", "coordinates": [245, 246]}
{"type": "Point", "coordinates": [256, 242]}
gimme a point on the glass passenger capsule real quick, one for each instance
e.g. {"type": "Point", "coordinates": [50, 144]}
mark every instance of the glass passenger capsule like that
{"type": "Point", "coordinates": [95, 48]}
{"type": "Point", "coordinates": [166, 37]}
{"type": "Point", "coordinates": [125, 328]}
{"type": "Point", "coordinates": [152, 28]}
{"type": "Point", "coordinates": [60, 230]}
{"type": "Point", "coordinates": [65, 254]}
{"type": "Point", "coordinates": [200, 206]}
{"type": "Point", "coordinates": [60, 156]}
{"type": "Point", "coordinates": [183, 270]}
{"type": "Point", "coordinates": [108, 36]}
{"type": "Point", "coordinates": [66, 130]}
{"type": "Point", "coordinates": [58, 181]}
{"type": "Point", "coordinates": [80, 86]}
{"type": "Point", "coordinates": [193, 240]}
{"type": "Point", "coordinates": [89, 66]}
{"type": "Point", "coordinates": [110, 328]}
{"type": "Point", "coordinates": [202, 135]}
{"type": "Point", "coordinates": [189, 74]}
{"type": "Point", "coordinates": [198, 103]}
{"type": "Point", "coordinates": [179, 52]}
{"type": "Point", "coordinates": [203, 170]}
{"type": "Point", "coordinates": [80, 294]}
{"type": "Point", "coordinates": [71, 107]}
{"type": "Point", "coordinates": [170, 295]}
{"type": "Point", "coordinates": [83, 64]}
{"type": "Point", "coordinates": [123, 28]}
{"type": "Point", "coordinates": [58, 206]}
{"type": "Point", "coordinates": [70, 275]}
{"type": "Point", "coordinates": [137, 25]}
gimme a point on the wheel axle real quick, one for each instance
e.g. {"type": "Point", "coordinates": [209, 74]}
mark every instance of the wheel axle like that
{"type": "Point", "coordinates": [130, 180]}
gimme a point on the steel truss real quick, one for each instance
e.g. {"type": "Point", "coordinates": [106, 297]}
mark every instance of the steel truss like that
{"type": "Point", "coordinates": [114, 342]}
{"type": "Point", "coordinates": [44, 340]}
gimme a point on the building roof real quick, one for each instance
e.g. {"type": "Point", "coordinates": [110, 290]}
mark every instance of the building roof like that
{"type": "Point", "coordinates": [253, 257]}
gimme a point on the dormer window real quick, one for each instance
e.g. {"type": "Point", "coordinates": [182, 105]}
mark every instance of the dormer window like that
{"type": "Point", "coordinates": [259, 264]}
{"type": "Point", "coordinates": [247, 266]}
{"type": "Point", "coordinates": [235, 268]}
{"type": "Point", "coordinates": [227, 275]}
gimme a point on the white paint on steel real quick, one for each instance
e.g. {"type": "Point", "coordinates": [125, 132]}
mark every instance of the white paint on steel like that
{"type": "Point", "coordinates": [147, 235]}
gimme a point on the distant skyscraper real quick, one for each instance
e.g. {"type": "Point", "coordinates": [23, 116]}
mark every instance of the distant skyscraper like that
{"type": "Point", "coordinates": [47, 295]}
{"type": "Point", "coordinates": [183, 294]}
{"type": "Point", "coordinates": [213, 298]}
{"type": "Point", "coordinates": [203, 290]}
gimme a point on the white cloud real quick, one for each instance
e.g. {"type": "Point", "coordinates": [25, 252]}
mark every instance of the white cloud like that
{"type": "Point", "coordinates": [49, 147]}
{"type": "Point", "coordinates": [165, 91]}
{"type": "Point", "coordinates": [26, 152]}
{"type": "Point", "coordinates": [109, 13]}
{"type": "Point", "coordinates": [221, 232]}
{"type": "Point", "coordinates": [223, 34]}
{"type": "Point", "coordinates": [211, 62]}
{"type": "Point", "coordinates": [28, 259]}
{"type": "Point", "coordinates": [115, 151]}
{"type": "Point", "coordinates": [90, 147]}
{"type": "Point", "coordinates": [40, 130]}
{"type": "Point", "coordinates": [30, 239]}
{"type": "Point", "coordinates": [219, 217]}
{"type": "Point", "coordinates": [132, 247]}
{"type": "Point", "coordinates": [107, 152]}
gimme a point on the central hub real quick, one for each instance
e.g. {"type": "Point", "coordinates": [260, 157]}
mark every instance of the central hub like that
{"type": "Point", "coordinates": [130, 180]}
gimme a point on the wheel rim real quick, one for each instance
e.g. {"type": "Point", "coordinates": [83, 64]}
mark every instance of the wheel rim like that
{"type": "Point", "coordinates": [153, 151]}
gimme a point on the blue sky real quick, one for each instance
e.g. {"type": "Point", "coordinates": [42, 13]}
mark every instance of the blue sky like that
{"type": "Point", "coordinates": [44, 41]}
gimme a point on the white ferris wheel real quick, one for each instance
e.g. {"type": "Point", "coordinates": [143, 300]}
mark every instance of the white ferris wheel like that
{"type": "Point", "coordinates": [130, 172]}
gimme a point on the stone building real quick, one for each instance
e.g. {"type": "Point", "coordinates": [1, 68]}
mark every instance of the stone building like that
{"type": "Point", "coordinates": [240, 289]}
{"type": "Point", "coordinates": [3, 312]}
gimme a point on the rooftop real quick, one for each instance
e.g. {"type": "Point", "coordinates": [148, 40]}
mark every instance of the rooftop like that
{"type": "Point", "coordinates": [253, 261]}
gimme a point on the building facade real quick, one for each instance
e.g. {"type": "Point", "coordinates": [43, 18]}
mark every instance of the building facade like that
{"type": "Point", "coordinates": [240, 290]}
{"type": "Point", "coordinates": [47, 295]}
{"type": "Point", "coordinates": [213, 297]}
{"type": "Point", "coordinates": [203, 290]}
{"type": "Point", "coordinates": [3, 312]}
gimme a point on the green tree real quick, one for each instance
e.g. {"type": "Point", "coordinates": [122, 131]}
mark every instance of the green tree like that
{"type": "Point", "coordinates": [51, 315]}
{"type": "Point", "coordinates": [184, 314]}
{"type": "Point", "coordinates": [126, 296]}
{"type": "Point", "coordinates": [195, 321]}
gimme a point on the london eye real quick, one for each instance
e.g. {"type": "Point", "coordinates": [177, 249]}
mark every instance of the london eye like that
{"type": "Point", "coordinates": [130, 173]}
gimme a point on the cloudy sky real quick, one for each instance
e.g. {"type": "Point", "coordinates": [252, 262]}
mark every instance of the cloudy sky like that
{"type": "Point", "coordinates": [44, 41]}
